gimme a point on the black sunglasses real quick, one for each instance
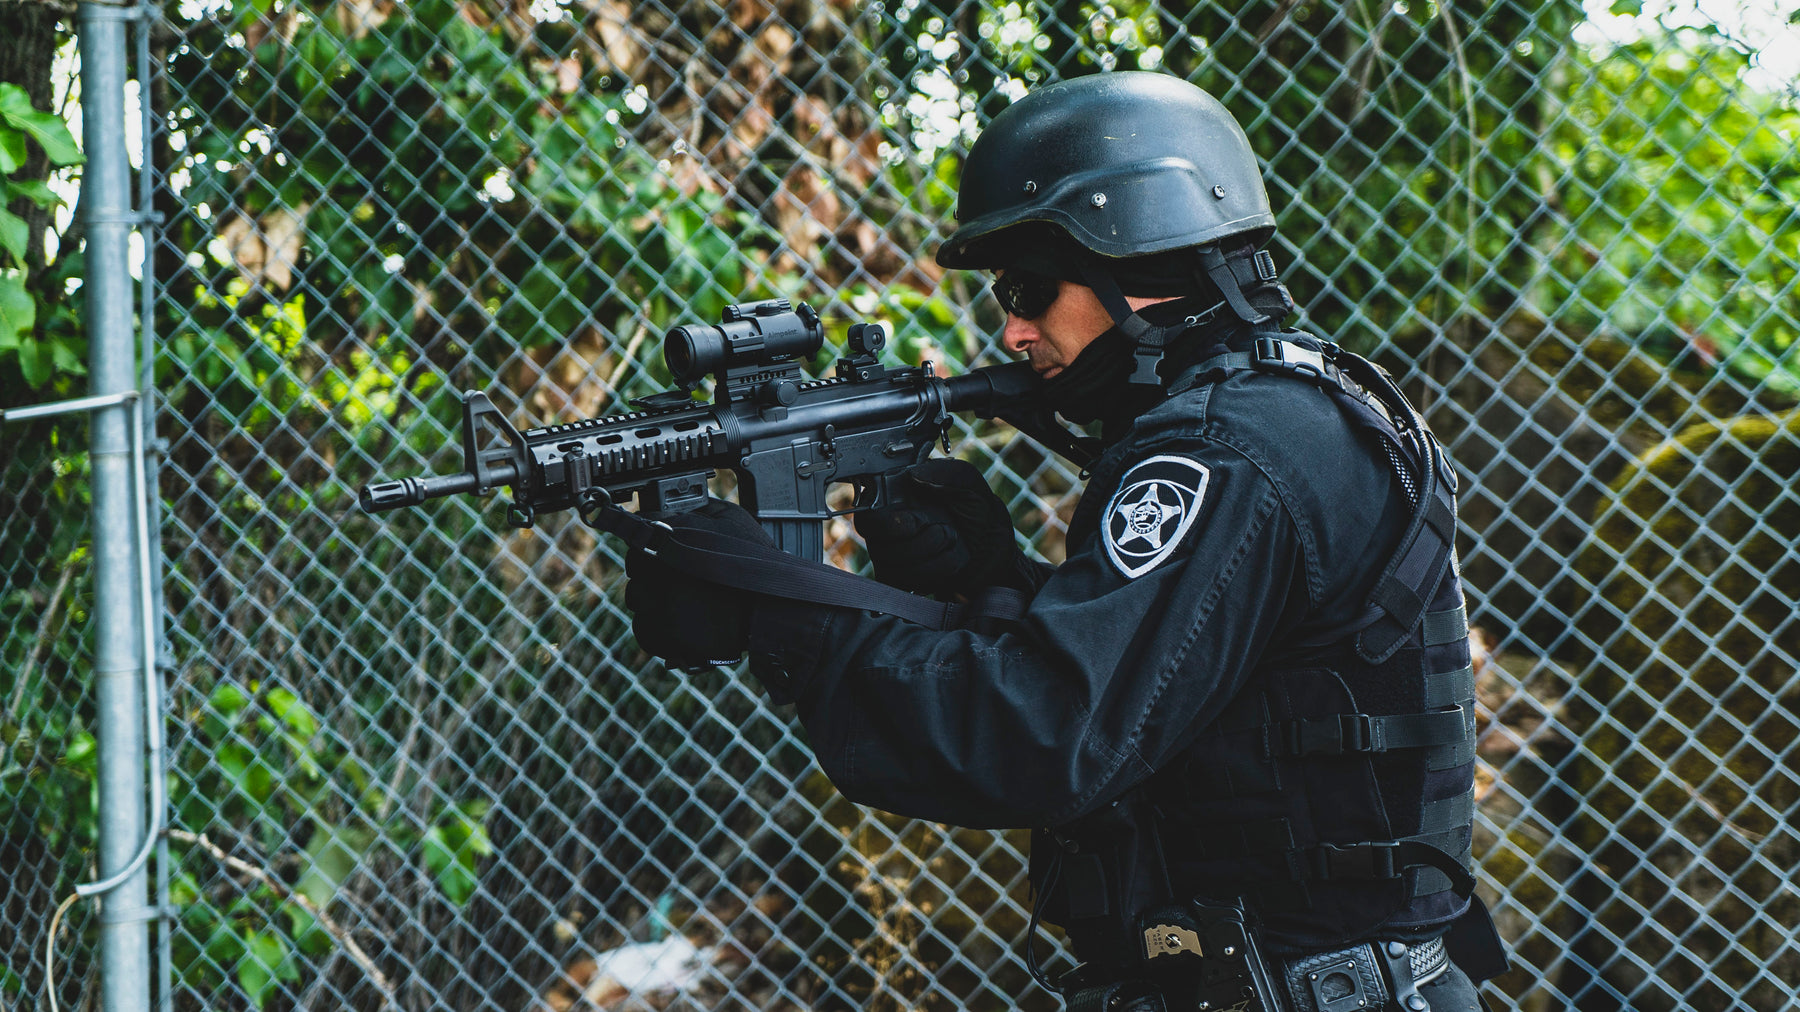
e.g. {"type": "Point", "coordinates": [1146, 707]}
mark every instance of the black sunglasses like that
{"type": "Point", "coordinates": [1025, 294]}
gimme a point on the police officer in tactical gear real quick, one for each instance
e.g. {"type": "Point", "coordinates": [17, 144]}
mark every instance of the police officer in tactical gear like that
{"type": "Point", "coordinates": [1240, 716]}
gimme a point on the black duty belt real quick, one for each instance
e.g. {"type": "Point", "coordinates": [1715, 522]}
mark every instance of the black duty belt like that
{"type": "Point", "coordinates": [1370, 977]}
{"type": "Point", "coordinates": [1373, 975]}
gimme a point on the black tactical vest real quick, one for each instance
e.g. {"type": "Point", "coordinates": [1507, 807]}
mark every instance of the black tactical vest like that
{"type": "Point", "coordinates": [1334, 796]}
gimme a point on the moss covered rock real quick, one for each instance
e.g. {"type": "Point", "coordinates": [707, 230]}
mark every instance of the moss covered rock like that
{"type": "Point", "coordinates": [1542, 419]}
{"type": "Point", "coordinates": [1687, 711]}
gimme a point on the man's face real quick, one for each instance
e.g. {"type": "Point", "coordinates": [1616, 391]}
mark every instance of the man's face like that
{"type": "Point", "coordinates": [1053, 338]}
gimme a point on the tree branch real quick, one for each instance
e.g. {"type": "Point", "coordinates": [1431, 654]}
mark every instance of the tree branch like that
{"type": "Point", "coordinates": [337, 932]}
{"type": "Point", "coordinates": [43, 641]}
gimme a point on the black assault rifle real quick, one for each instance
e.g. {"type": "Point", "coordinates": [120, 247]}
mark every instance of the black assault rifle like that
{"type": "Point", "coordinates": [786, 437]}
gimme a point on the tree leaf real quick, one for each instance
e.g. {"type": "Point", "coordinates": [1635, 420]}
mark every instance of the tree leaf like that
{"type": "Point", "coordinates": [234, 759]}
{"type": "Point", "coordinates": [227, 698]}
{"type": "Point", "coordinates": [35, 191]}
{"type": "Point", "coordinates": [66, 355]}
{"type": "Point", "coordinates": [333, 855]}
{"type": "Point", "coordinates": [454, 875]}
{"type": "Point", "coordinates": [18, 310]}
{"type": "Point", "coordinates": [12, 150]}
{"type": "Point", "coordinates": [34, 362]}
{"type": "Point", "coordinates": [15, 235]}
{"type": "Point", "coordinates": [49, 130]}
{"type": "Point", "coordinates": [83, 753]}
{"type": "Point", "coordinates": [264, 953]}
{"type": "Point", "coordinates": [293, 712]}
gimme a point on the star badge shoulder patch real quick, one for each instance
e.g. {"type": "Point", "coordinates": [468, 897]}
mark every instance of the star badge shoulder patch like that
{"type": "Point", "coordinates": [1156, 503]}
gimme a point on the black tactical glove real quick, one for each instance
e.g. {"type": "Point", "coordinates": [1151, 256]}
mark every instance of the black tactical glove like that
{"type": "Point", "coordinates": [951, 536]}
{"type": "Point", "coordinates": [686, 621]}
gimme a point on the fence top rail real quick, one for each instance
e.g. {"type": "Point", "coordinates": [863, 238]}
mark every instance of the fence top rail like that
{"type": "Point", "coordinates": [45, 410]}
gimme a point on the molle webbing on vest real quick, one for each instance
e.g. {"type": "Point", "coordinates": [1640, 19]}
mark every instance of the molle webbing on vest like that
{"type": "Point", "coordinates": [1432, 852]}
{"type": "Point", "coordinates": [1402, 593]}
{"type": "Point", "coordinates": [1261, 750]}
{"type": "Point", "coordinates": [1425, 550]}
{"type": "Point", "coordinates": [1447, 734]}
{"type": "Point", "coordinates": [1443, 627]}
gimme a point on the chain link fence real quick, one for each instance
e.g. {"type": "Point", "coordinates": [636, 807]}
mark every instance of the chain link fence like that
{"type": "Point", "coordinates": [417, 761]}
{"type": "Point", "coordinates": [47, 729]}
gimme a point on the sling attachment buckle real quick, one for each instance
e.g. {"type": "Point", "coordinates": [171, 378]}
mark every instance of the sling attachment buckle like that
{"type": "Point", "coordinates": [1272, 354]}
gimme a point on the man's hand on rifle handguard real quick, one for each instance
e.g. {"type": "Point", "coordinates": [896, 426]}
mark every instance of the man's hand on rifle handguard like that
{"type": "Point", "coordinates": [690, 622]}
{"type": "Point", "coordinates": [951, 538]}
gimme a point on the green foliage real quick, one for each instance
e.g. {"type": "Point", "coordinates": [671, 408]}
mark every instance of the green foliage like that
{"type": "Point", "coordinates": [241, 941]}
{"type": "Point", "coordinates": [21, 121]}
{"type": "Point", "coordinates": [454, 847]}
{"type": "Point", "coordinates": [1487, 167]}
{"type": "Point", "coordinates": [43, 344]}
{"type": "Point", "coordinates": [47, 745]}
{"type": "Point", "coordinates": [1677, 188]}
{"type": "Point", "coordinates": [487, 208]}
{"type": "Point", "coordinates": [48, 752]}
{"type": "Point", "coordinates": [265, 765]}
{"type": "Point", "coordinates": [50, 771]}
{"type": "Point", "coordinates": [262, 767]}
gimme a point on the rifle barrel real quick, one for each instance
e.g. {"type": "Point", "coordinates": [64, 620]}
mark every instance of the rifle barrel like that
{"type": "Point", "coordinates": [391, 495]}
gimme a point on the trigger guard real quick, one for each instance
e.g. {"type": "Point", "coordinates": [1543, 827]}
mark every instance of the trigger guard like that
{"type": "Point", "coordinates": [879, 492]}
{"type": "Point", "coordinates": [868, 497]}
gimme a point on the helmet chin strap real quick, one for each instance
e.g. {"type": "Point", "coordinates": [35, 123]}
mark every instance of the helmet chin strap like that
{"type": "Point", "coordinates": [1245, 280]}
{"type": "Point", "coordinates": [1223, 273]}
{"type": "Point", "coordinates": [1148, 339]}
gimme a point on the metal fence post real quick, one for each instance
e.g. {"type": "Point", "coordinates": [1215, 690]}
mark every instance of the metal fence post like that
{"type": "Point", "coordinates": [119, 647]}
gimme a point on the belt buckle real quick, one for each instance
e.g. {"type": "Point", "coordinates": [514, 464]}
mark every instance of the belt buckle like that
{"type": "Point", "coordinates": [1338, 987]}
{"type": "Point", "coordinates": [1343, 980]}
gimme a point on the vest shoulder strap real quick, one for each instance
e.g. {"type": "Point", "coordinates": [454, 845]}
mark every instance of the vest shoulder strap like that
{"type": "Point", "coordinates": [1369, 397]}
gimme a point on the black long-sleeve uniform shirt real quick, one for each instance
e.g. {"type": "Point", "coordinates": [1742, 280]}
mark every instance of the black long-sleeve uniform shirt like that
{"type": "Point", "coordinates": [1109, 675]}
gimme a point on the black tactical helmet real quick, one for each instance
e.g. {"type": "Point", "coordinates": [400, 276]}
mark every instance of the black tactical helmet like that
{"type": "Point", "coordinates": [1127, 164]}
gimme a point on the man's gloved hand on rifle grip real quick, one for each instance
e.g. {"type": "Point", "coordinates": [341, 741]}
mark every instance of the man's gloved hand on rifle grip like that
{"type": "Point", "coordinates": [951, 536]}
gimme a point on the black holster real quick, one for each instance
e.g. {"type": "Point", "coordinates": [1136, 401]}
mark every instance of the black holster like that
{"type": "Point", "coordinates": [1118, 996]}
{"type": "Point", "coordinates": [1202, 958]}
{"type": "Point", "coordinates": [1194, 957]}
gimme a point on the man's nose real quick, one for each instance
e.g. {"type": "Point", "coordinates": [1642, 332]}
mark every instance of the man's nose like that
{"type": "Point", "coordinates": [1018, 334]}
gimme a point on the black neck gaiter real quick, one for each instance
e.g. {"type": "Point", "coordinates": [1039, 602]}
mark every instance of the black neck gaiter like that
{"type": "Point", "coordinates": [1097, 385]}
{"type": "Point", "coordinates": [1089, 386]}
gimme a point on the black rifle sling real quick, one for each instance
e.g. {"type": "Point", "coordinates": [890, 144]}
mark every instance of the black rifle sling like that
{"type": "Point", "coordinates": [764, 569]}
